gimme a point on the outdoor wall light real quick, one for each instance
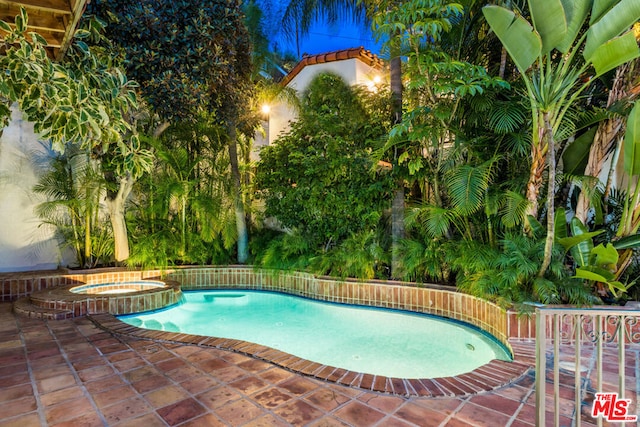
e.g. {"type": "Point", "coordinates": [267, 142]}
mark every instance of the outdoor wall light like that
{"type": "Point", "coordinates": [374, 83]}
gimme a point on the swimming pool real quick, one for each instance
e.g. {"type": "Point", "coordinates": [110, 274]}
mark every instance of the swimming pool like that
{"type": "Point", "coordinates": [377, 341]}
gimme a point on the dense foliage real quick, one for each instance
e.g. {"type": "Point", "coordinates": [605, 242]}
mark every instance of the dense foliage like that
{"type": "Point", "coordinates": [84, 102]}
{"type": "Point", "coordinates": [193, 63]}
{"type": "Point", "coordinates": [187, 56]}
{"type": "Point", "coordinates": [472, 152]}
{"type": "Point", "coordinates": [182, 212]}
{"type": "Point", "coordinates": [319, 178]}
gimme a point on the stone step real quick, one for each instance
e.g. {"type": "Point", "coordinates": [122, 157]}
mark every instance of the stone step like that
{"type": "Point", "coordinates": [24, 307]}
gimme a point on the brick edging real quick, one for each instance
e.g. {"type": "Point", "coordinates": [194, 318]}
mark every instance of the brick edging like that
{"type": "Point", "coordinates": [491, 376]}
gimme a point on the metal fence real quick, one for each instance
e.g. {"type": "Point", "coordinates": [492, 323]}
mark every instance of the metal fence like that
{"type": "Point", "coordinates": [587, 366]}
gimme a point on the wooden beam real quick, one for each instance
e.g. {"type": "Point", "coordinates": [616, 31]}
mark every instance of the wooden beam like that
{"type": "Point", "coordinates": [55, 20]}
{"type": "Point", "coordinates": [78, 7]}
{"type": "Point", "coordinates": [51, 6]}
{"type": "Point", "coordinates": [37, 19]}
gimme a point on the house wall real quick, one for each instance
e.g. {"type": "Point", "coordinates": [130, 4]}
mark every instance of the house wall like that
{"type": "Point", "coordinates": [353, 72]}
{"type": "Point", "coordinates": [24, 244]}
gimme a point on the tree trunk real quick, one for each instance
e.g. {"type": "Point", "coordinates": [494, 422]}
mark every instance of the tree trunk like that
{"type": "Point", "coordinates": [115, 206]}
{"type": "Point", "coordinates": [605, 139]}
{"type": "Point", "coordinates": [397, 207]}
{"type": "Point", "coordinates": [395, 83]}
{"type": "Point", "coordinates": [87, 238]}
{"type": "Point", "coordinates": [536, 177]}
{"type": "Point", "coordinates": [236, 185]}
{"type": "Point", "coordinates": [503, 62]}
{"type": "Point", "coordinates": [548, 141]}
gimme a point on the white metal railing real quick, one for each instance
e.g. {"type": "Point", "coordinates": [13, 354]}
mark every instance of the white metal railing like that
{"type": "Point", "coordinates": [587, 366]}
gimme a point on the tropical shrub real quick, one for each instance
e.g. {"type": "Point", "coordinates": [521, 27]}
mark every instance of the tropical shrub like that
{"type": "Point", "coordinates": [73, 186]}
{"type": "Point", "coordinates": [318, 180]}
{"type": "Point", "coordinates": [509, 273]}
{"type": "Point", "coordinates": [192, 60]}
{"type": "Point", "coordinates": [183, 212]}
{"type": "Point", "coordinates": [559, 54]}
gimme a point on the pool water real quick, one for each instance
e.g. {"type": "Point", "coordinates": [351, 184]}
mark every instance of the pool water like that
{"type": "Point", "coordinates": [376, 341]}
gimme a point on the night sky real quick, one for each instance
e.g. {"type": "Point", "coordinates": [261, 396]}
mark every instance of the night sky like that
{"type": "Point", "coordinates": [323, 37]}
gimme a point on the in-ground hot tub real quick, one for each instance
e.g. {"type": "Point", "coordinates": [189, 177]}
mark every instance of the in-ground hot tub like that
{"type": "Point", "coordinates": [108, 293]}
{"type": "Point", "coordinates": [118, 287]}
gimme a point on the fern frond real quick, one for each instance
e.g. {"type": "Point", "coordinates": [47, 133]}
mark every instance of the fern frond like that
{"type": "Point", "coordinates": [506, 117]}
{"type": "Point", "coordinates": [546, 291]}
{"type": "Point", "coordinates": [467, 186]}
{"type": "Point", "coordinates": [513, 209]}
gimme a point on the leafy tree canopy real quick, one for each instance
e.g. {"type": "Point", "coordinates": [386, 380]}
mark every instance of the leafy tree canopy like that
{"type": "Point", "coordinates": [82, 100]}
{"type": "Point", "coordinates": [186, 55]}
{"type": "Point", "coordinates": [318, 178]}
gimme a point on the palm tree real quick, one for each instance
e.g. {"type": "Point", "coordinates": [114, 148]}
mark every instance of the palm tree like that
{"type": "Point", "coordinates": [554, 57]}
{"type": "Point", "coordinates": [73, 186]}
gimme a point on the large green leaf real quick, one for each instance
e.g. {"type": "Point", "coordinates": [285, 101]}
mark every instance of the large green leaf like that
{"type": "Point", "coordinates": [628, 242]}
{"type": "Point", "coordinates": [514, 209]}
{"type": "Point", "coordinates": [615, 52]}
{"type": "Point", "coordinates": [605, 255]}
{"type": "Point", "coordinates": [467, 186]}
{"type": "Point", "coordinates": [570, 241]}
{"type": "Point", "coordinates": [550, 22]}
{"type": "Point", "coordinates": [616, 21]}
{"type": "Point", "coordinates": [576, 12]}
{"type": "Point", "coordinates": [600, 7]}
{"type": "Point", "coordinates": [437, 221]}
{"type": "Point", "coordinates": [582, 250]}
{"type": "Point", "coordinates": [594, 273]}
{"type": "Point", "coordinates": [536, 228]}
{"type": "Point", "coordinates": [5, 27]}
{"type": "Point", "coordinates": [22, 21]}
{"type": "Point", "coordinates": [618, 288]}
{"type": "Point", "coordinates": [631, 145]}
{"type": "Point", "coordinates": [576, 155]}
{"type": "Point", "coordinates": [560, 223]}
{"type": "Point", "coordinates": [516, 34]}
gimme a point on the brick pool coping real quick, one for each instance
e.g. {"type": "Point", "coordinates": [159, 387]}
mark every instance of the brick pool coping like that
{"type": "Point", "coordinates": [51, 290]}
{"type": "Point", "coordinates": [491, 376]}
{"type": "Point", "coordinates": [442, 301]}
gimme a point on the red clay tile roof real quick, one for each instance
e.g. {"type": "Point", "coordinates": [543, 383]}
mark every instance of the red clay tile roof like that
{"type": "Point", "coordinates": [339, 55]}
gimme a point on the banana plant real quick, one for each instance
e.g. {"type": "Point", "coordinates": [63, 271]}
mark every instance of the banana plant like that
{"type": "Point", "coordinates": [628, 236]}
{"type": "Point", "coordinates": [567, 45]}
{"type": "Point", "coordinates": [596, 263]}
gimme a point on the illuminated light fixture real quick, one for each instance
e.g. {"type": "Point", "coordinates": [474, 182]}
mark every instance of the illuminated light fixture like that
{"type": "Point", "coordinates": [374, 83]}
{"type": "Point", "coordinates": [266, 109]}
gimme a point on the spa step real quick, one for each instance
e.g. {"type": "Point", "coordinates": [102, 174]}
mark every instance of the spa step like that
{"type": "Point", "coordinates": [24, 307]}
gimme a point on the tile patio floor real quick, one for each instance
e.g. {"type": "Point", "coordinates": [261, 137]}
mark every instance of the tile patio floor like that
{"type": "Point", "coordinates": [71, 373]}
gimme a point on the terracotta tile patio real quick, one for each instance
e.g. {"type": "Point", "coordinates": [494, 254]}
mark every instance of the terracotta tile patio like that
{"type": "Point", "coordinates": [71, 373]}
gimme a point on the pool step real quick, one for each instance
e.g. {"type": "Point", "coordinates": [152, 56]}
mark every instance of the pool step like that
{"type": "Point", "coordinates": [25, 307]}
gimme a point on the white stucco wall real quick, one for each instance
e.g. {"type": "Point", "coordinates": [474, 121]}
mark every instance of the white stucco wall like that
{"type": "Point", "coordinates": [353, 71]}
{"type": "Point", "coordinates": [23, 244]}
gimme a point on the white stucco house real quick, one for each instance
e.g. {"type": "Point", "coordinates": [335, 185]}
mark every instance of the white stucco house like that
{"type": "Point", "coordinates": [356, 66]}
